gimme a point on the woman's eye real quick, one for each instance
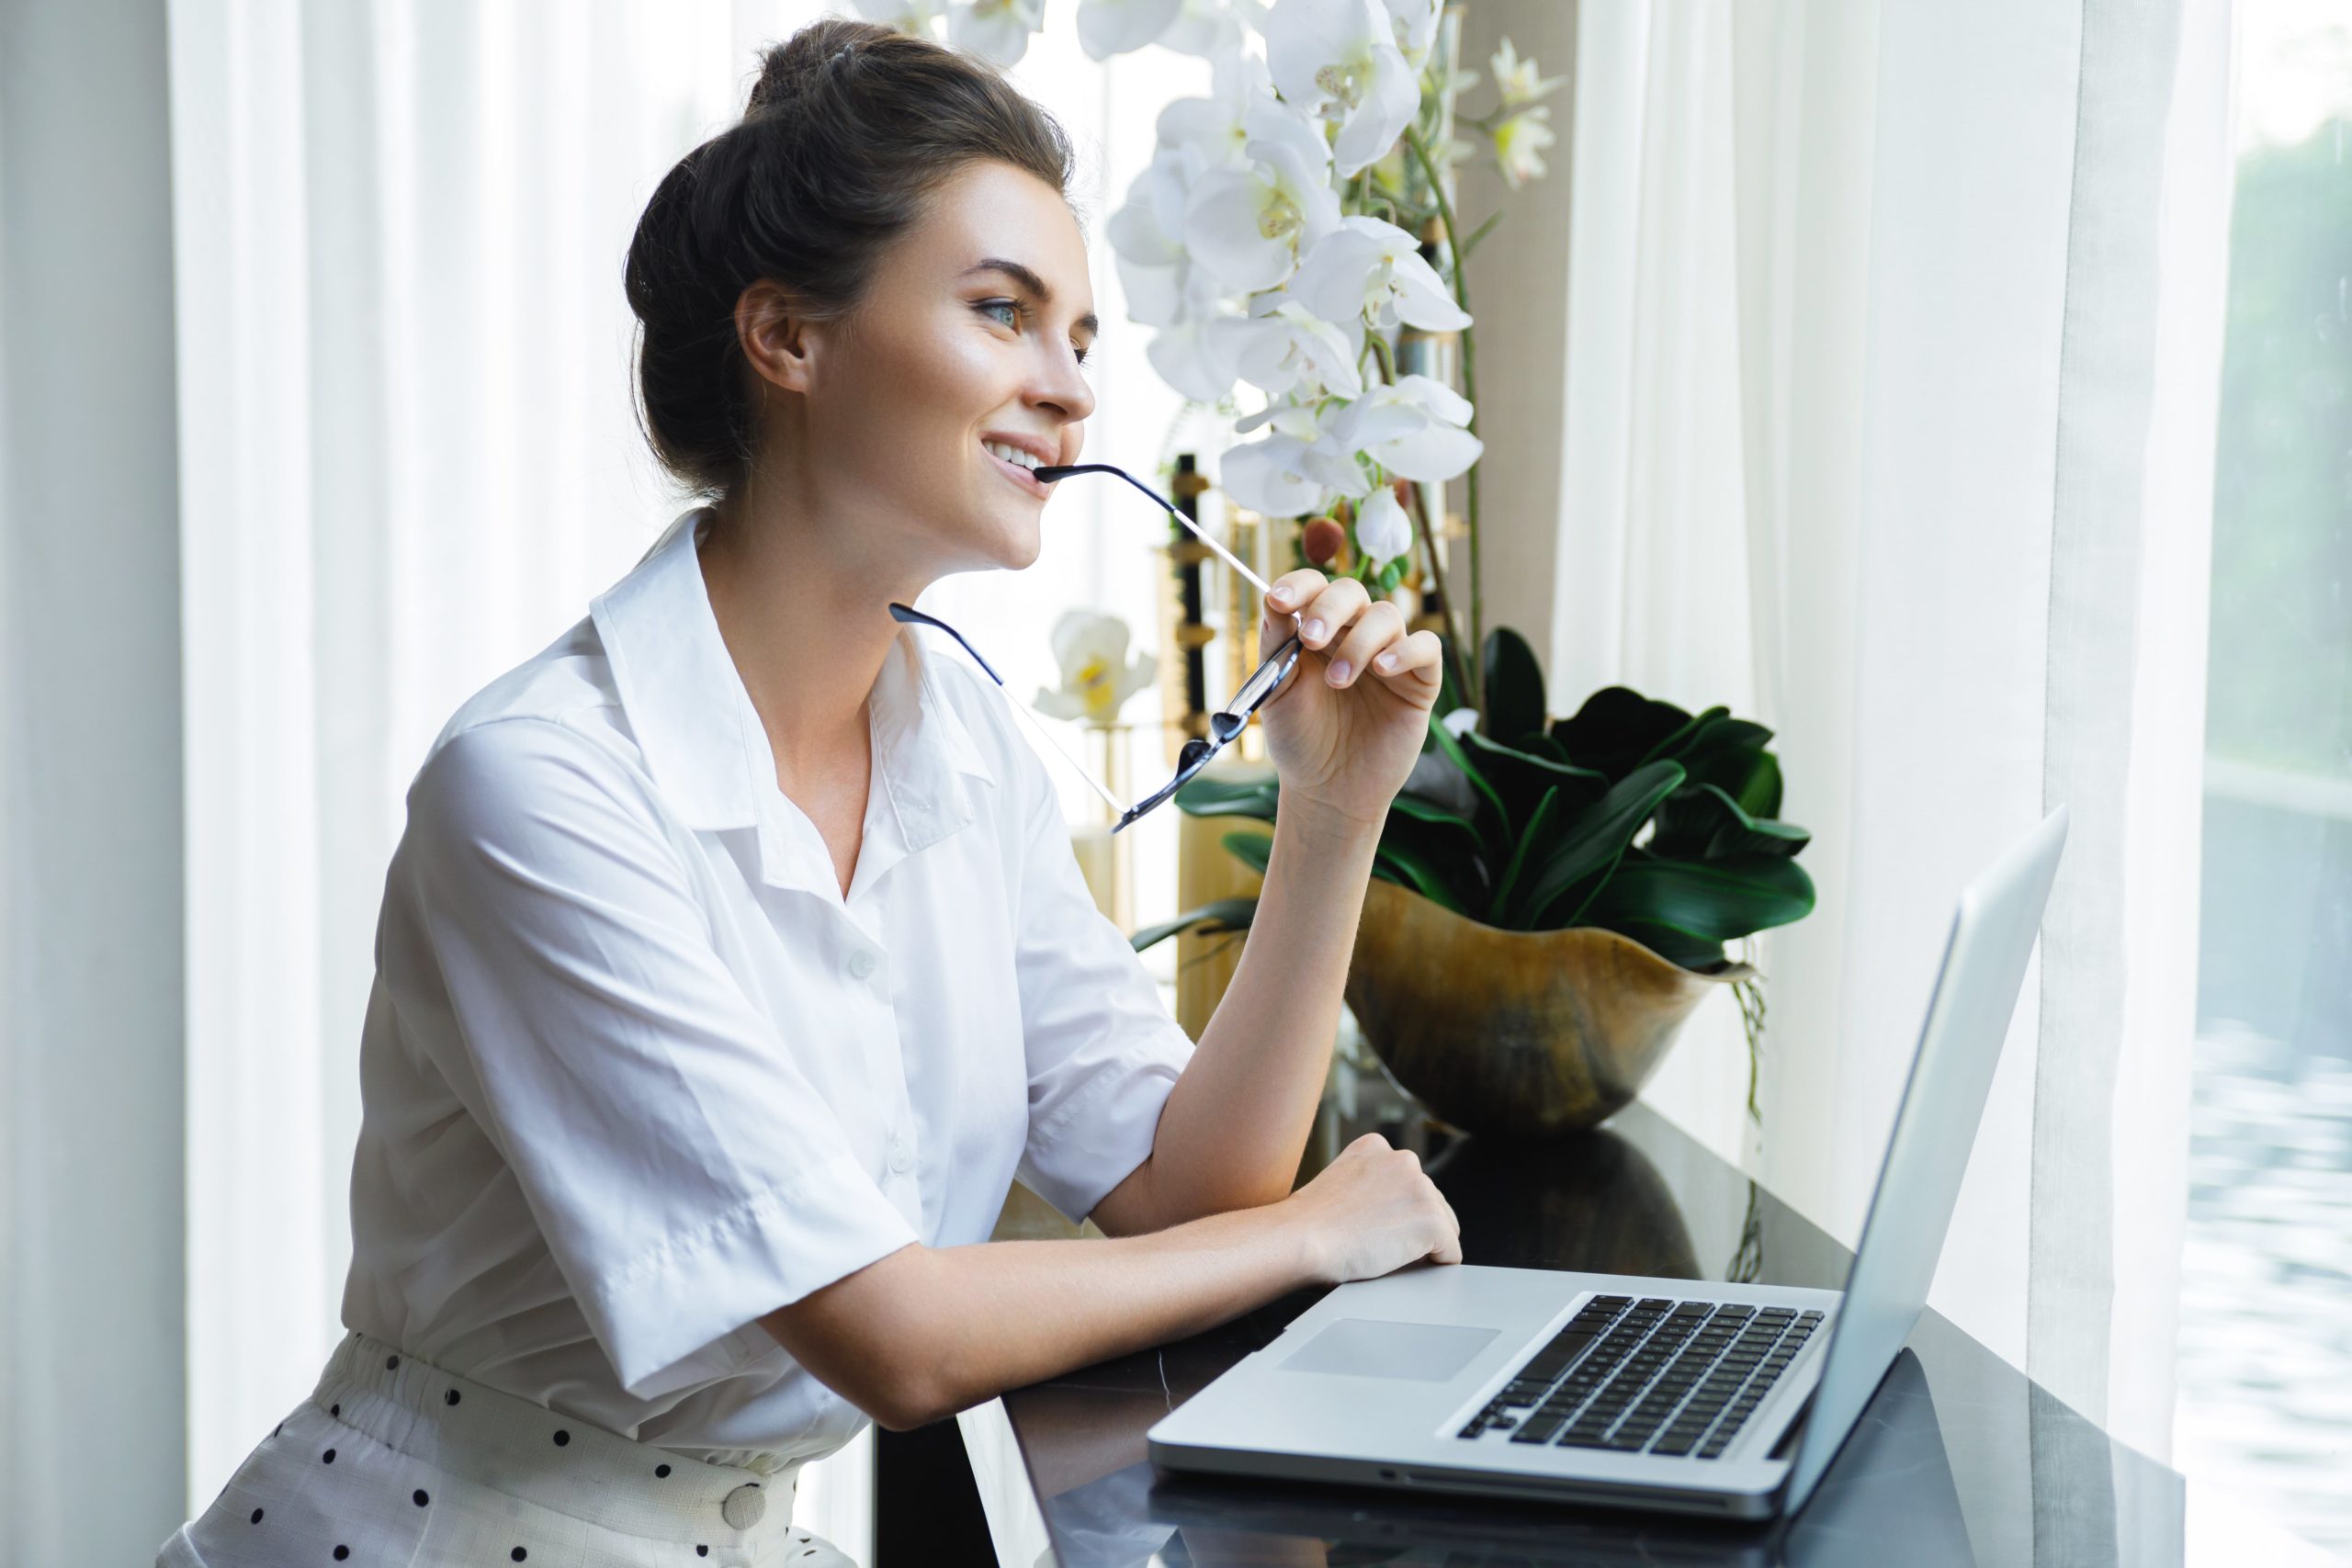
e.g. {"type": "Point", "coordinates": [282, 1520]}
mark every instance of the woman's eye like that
{"type": "Point", "coordinates": [1015, 308]}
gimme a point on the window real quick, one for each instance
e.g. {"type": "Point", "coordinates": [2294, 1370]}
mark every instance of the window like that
{"type": "Point", "coordinates": [2265, 1326]}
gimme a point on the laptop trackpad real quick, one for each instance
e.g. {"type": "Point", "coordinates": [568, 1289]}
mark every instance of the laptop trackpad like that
{"type": "Point", "coordinates": [1370, 1348]}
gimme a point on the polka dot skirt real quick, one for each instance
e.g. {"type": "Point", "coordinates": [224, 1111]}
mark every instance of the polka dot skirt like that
{"type": "Point", "coordinates": [393, 1460]}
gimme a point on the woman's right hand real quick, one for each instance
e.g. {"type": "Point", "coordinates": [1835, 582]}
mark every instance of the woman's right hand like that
{"type": "Point", "coordinates": [1373, 1210]}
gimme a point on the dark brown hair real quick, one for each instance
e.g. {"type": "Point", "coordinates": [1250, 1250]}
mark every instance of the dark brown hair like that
{"type": "Point", "coordinates": [851, 130]}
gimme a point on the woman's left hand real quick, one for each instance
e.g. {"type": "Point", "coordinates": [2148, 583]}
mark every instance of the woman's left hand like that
{"type": "Point", "coordinates": [1344, 729]}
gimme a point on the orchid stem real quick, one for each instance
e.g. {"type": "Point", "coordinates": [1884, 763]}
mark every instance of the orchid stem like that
{"type": "Point", "coordinates": [1473, 656]}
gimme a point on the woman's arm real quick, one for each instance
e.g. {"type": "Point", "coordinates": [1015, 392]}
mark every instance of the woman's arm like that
{"type": "Point", "coordinates": [1236, 1119]}
{"type": "Point", "coordinates": [1344, 739]}
{"type": "Point", "coordinates": [925, 1332]}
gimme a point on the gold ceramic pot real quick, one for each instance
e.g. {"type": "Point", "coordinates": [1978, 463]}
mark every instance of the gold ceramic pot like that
{"type": "Point", "coordinates": [1514, 1034]}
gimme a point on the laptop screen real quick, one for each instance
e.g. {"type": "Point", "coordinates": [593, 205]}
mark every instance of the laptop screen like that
{"type": "Point", "coordinates": [1975, 996]}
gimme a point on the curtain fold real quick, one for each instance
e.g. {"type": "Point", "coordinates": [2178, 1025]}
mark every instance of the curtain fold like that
{"type": "Point", "coordinates": [1892, 336]}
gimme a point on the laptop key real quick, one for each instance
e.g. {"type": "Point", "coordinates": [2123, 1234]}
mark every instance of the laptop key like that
{"type": "Point", "coordinates": [1537, 1428]}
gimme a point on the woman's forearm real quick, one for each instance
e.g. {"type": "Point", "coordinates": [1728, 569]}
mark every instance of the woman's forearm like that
{"type": "Point", "coordinates": [1236, 1120]}
{"type": "Point", "coordinates": [926, 1332]}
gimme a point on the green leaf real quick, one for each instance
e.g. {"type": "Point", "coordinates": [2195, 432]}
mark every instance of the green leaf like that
{"type": "Point", "coordinates": [1410, 868]}
{"type": "Point", "coordinates": [1589, 851]}
{"type": "Point", "coordinates": [1514, 686]}
{"type": "Point", "coordinates": [1616, 728]}
{"type": "Point", "coordinates": [1521, 777]}
{"type": "Point", "coordinates": [1252, 849]}
{"type": "Point", "coordinates": [1537, 743]}
{"type": "Point", "coordinates": [1538, 827]}
{"type": "Point", "coordinates": [1673, 747]}
{"type": "Point", "coordinates": [1204, 797]}
{"type": "Point", "coordinates": [1721, 752]}
{"type": "Point", "coordinates": [1220, 915]}
{"type": "Point", "coordinates": [1759, 792]}
{"type": "Point", "coordinates": [1497, 837]}
{"type": "Point", "coordinates": [1444, 846]}
{"type": "Point", "coordinates": [1701, 901]}
{"type": "Point", "coordinates": [1704, 823]}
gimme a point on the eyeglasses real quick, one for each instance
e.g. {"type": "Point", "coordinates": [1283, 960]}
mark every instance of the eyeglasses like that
{"type": "Point", "coordinates": [1223, 725]}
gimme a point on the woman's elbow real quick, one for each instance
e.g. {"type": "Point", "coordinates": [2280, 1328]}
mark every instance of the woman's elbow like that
{"type": "Point", "coordinates": [859, 1337]}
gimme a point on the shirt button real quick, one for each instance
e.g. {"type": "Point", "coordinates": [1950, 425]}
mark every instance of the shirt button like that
{"type": "Point", "coordinates": [900, 1156]}
{"type": "Point", "coordinates": [744, 1505]}
{"type": "Point", "coordinates": [861, 963]}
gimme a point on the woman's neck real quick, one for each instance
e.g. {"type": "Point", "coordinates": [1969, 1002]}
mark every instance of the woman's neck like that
{"type": "Point", "coordinates": [806, 618]}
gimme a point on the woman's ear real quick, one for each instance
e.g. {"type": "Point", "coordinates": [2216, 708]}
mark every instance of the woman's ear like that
{"type": "Point", "coordinates": [776, 341]}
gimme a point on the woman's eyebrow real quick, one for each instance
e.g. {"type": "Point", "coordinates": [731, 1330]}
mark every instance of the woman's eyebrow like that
{"type": "Point", "coordinates": [1028, 279]}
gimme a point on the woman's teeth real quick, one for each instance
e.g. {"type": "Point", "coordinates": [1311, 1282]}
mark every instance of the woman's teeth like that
{"type": "Point", "coordinates": [1011, 454]}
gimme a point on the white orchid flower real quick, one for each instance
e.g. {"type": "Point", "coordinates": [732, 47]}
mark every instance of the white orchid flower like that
{"type": "Point", "coordinates": [1106, 28]}
{"type": "Point", "coordinates": [1090, 647]}
{"type": "Point", "coordinates": [1516, 79]}
{"type": "Point", "coordinates": [1282, 346]}
{"type": "Point", "coordinates": [1367, 265]}
{"type": "Point", "coordinates": [1382, 530]}
{"type": "Point", "coordinates": [1205, 27]}
{"type": "Point", "coordinates": [996, 30]}
{"type": "Point", "coordinates": [906, 16]}
{"type": "Point", "coordinates": [1414, 26]}
{"type": "Point", "coordinates": [1413, 428]}
{"type": "Point", "coordinates": [1163, 286]}
{"type": "Point", "coordinates": [1519, 145]}
{"type": "Point", "coordinates": [1268, 477]}
{"type": "Point", "coordinates": [1213, 132]}
{"type": "Point", "coordinates": [1460, 722]}
{"type": "Point", "coordinates": [1250, 226]}
{"type": "Point", "coordinates": [1192, 360]}
{"type": "Point", "coordinates": [1302, 468]}
{"type": "Point", "coordinates": [1337, 59]}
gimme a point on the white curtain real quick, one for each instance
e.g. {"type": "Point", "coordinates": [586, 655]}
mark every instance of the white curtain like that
{"type": "Point", "coordinates": [1893, 340]}
{"type": "Point", "coordinates": [409, 460]}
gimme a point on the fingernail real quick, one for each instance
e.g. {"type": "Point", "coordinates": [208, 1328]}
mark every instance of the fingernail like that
{"type": "Point", "coordinates": [1386, 661]}
{"type": "Point", "coordinates": [1338, 672]}
{"type": "Point", "coordinates": [1280, 595]}
{"type": "Point", "coordinates": [1313, 629]}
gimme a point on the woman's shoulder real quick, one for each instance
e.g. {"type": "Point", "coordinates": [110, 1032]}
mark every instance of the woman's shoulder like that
{"type": "Point", "coordinates": [556, 713]}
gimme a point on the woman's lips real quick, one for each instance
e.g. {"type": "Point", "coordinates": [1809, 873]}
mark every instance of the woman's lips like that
{"type": "Point", "coordinates": [1020, 475]}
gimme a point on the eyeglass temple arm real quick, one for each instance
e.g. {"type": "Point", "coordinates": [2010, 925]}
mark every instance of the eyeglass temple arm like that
{"type": "Point", "coordinates": [1051, 474]}
{"type": "Point", "coordinates": [1036, 726]}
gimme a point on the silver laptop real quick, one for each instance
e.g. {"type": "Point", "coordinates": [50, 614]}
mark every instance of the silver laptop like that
{"type": "Point", "coordinates": [1721, 1400]}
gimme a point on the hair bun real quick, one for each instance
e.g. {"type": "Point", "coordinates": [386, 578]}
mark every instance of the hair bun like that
{"type": "Point", "coordinates": [824, 49]}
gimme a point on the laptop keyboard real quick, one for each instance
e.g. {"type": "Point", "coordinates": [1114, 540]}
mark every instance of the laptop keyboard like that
{"type": "Point", "coordinates": [1653, 1375]}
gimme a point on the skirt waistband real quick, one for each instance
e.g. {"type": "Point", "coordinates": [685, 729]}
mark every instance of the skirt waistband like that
{"type": "Point", "coordinates": [559, 1462]}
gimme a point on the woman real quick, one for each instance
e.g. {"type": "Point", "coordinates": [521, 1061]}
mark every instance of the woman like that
{"type": "Point", "coordinates": [735, 960]}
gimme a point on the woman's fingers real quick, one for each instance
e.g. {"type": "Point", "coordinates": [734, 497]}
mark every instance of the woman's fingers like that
{"type": "Point", "coordinates": [1283, 596]}
{"type": "Point", "coordinates": [1417, 657]}
{"type": "Point", "coordinates": [1325, 618]}
{"type": "Point", "coordinates": [1381, 626]}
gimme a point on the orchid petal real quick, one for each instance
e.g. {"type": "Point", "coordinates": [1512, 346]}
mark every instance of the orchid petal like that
{"type": "Point", "coordinates": [1106, 28]}
{"type": "Point", "coordinates": [1382, 528]}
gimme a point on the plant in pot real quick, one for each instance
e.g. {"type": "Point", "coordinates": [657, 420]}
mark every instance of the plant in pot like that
{"type": "Point", "coordinates": [1551, 897]}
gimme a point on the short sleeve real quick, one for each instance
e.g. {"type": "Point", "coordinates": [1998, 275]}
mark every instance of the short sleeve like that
{"type": "Point", "coordinates": [686, 1175]}
{"type": "Point", "coordinates": [1102, 1051]}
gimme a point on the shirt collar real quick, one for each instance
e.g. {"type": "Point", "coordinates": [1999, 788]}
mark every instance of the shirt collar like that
{"type": "Point", "coordinates": [702, 739]}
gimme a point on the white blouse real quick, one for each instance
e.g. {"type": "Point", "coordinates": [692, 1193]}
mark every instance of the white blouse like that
{"type": "Point", "coordinates": [634, 1073]}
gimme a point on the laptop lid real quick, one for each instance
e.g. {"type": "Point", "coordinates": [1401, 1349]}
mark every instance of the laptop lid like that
{"type": "Point", "coordinates": [1903, 1235]}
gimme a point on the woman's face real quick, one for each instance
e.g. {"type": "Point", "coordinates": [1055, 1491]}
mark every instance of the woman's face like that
{"type": "Point", "coordinates": [953, 348]}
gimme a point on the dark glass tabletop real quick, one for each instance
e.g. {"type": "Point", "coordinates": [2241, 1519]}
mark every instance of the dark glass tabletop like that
{"type": "Point", "coordinates": [1959, 1460]}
